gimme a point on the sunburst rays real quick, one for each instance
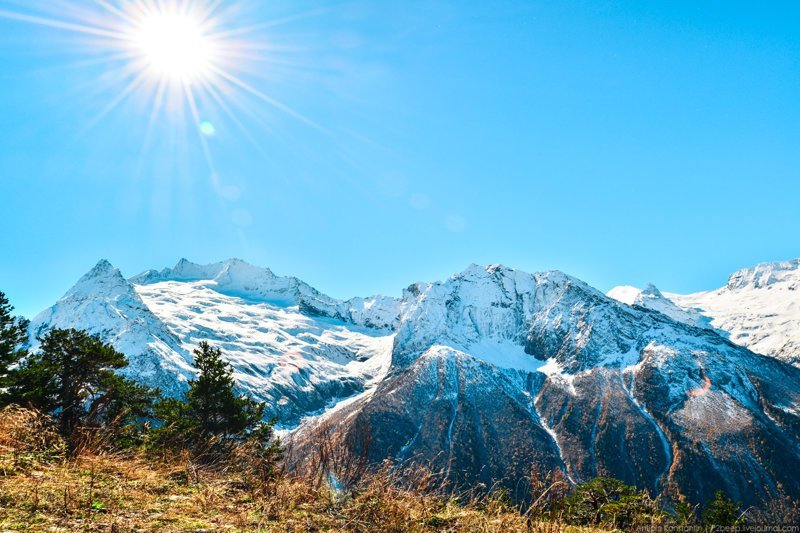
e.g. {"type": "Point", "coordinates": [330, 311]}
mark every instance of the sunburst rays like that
{"type": "Point", "coordinates": [171, 55]}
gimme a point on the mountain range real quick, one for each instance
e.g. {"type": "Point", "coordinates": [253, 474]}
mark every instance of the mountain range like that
{"type": "Point", "coordinates": [492, 373]}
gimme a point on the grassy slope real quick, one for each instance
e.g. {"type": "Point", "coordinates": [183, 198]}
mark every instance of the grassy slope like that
{"type": "Point", "coordinates": [104, 493]}
{"type": "Point", "coordinates": [40, 490]}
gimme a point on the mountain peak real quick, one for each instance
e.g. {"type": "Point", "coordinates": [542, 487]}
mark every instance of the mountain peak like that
{"type": "Point", "coordinates": [651, 291]}
{"type": "Point", "coordinates": [764, 274]}
{"type": "Point", "coordinates": [472, 270]}
{"type": "Point", "coordinates": [185, 270]}
{"type": "Point", "coordinates": [626, 294]}
{"type": "Point", "coordinates": [239, 268]}
{"type": "Point", "coordinates": [102, 268]}
{"type": "Point", "coordinates": [103, 278]}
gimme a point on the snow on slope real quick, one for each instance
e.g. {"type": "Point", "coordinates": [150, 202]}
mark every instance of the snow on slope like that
{"type": "Point", "coordinates": [300, 363]}
{"type": "Point", "coordinates": [485, 310]}
{"type": "Point", "coordinates": [289, 345]}
{"type": "Point", "coordinates": [104, 303]}
{"type": "Point", "coordinates": [759, 308]}
{"type": "Point", "coordinates": [626, 294]}
{"type": "Point", "coordinates": [651, 298]}
{"type": "Point", "coordinates": [235, 277]}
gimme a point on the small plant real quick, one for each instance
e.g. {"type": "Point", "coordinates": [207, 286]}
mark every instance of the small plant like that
{"type": "Point", "coordinates": [721, 512]}
{"type": "Point", "coordinates": [685, 514]}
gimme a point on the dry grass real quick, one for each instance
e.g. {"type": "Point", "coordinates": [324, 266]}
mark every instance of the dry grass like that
{"type": "Point", "coordinates": [40, 490]}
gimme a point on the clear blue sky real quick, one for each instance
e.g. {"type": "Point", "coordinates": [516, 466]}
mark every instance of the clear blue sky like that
{"type": "Point", "coordinates": [622, 142]}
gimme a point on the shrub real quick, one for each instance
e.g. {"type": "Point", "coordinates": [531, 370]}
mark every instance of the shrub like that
{"type": "Point", "coordinates": [610, 502]}
{"type": "Point", "coordinates": [28, 438]}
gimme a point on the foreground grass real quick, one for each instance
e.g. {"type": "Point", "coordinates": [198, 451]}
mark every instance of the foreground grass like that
{"type": "Point", "coordinates": [106, 493]}
{"type": "Point", "coordinates": [43, 490]}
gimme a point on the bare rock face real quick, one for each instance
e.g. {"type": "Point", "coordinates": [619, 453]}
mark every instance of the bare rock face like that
{"type": "Point", "coordinates": [457, 415]}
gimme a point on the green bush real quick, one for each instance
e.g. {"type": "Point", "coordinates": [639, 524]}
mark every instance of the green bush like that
{"type": "Point", "coordinates": [610, 502]}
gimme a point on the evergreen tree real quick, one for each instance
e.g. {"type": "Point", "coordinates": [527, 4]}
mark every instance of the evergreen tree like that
{"type": "Point", "coordinates": [72, 376]}
{"type": "Point", "coordinates": [721, 511]}
{"type": "Point", "coordinates": [13, 336]}
{"type": "Point", "coordinates": [211, 417]}
{"type": "Point", "coordinates": [609, 501]}
{"type": "Point", "coordinates": [212, 401]}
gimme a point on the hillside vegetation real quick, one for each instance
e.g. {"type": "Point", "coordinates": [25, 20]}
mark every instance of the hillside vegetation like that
{"type": "Point", "coordinates": [42, 489]}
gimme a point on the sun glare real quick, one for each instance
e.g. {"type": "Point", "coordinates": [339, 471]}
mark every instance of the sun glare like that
{"type": "Point", "coordinates": [174, 46]}
{"type": "Point", "coordinates": [189, 64]}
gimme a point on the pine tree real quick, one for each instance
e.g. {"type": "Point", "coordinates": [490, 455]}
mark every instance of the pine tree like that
{"type": "Point", "coordinates": [721, 512]}
{"type": "Point", "coordinates": [72, 376]}
{"type": "Point", "coordinates": [13, 336]}
{"type": "Point", "coordinates": [212, 401]}
{"type": "Point", "coordinates": [609, 501]}
{"type": "Point", "coordinates": [212, 417]}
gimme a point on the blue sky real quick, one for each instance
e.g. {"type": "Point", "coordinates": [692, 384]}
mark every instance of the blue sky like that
{"type": "Point", "coordinates": [622, 142]}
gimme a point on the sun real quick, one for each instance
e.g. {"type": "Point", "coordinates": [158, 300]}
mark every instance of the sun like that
{"type": "Point", "coordinates": [184, 64]}
{"type": "Point", "coordinates": [174, 46]}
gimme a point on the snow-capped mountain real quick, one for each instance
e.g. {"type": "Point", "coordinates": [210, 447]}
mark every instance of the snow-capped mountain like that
{"type": "Point", "coordinates": [104, 303]}
{"type": "Point", "coordinates": [495, 370]}
{"type": "Point", "coordinates": [758, 308]}
{"type": "Point", "coordinates": [290, 345]}
{"type": "Point", "coordinates": [237, 278]}
{"type": "Point", "coordinates": [482, 376]}
{"type": "Point", "coordinates": [652, 298]}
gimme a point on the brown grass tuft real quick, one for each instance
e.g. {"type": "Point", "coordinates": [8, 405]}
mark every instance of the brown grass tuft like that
{"type": "Point", "coordinates": [102, 491]}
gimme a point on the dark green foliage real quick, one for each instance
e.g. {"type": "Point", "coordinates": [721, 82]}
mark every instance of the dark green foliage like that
{"type": "Point", "coordinates": [212, 402]}
{"type": "Point", "coordinates": [721, 512]}
{"type": "Point", "coordinates": [126, 411]}
{"type": "Point", "coordinates": [610, 502]}
{"type": "Point", "coordinates": [684, 513]}
{"type": "Point", "coordinates": [211, 418]}
{"type": "Point", "coordinates": [13, 336]}
{"type": "Point", "coordinates": [72, 376]}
